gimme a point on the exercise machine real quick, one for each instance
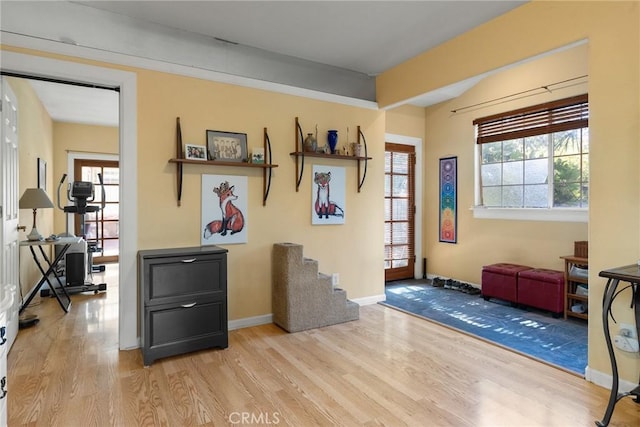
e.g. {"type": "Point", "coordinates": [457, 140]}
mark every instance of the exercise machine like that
{"type": "Point", "coordinates": [78, 263]}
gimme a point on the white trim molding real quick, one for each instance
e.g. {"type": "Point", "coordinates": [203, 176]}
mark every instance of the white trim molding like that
{"type": "Point", "coordinates": [128, 148]}
{"type": "Point", "coordinates": [532, 214]}
{"type": "Point", "coordinates": [606, 380]}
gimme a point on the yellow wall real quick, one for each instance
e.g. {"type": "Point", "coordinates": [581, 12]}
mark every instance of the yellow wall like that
{"type": "Point", "coordinates": [77, 138]}
{"type": "Point", "coordinates": [35, 139]}
{"type": "Point", "coordinates": [613, 66]}
{"type": "Point", "coordinates": [354, 250]}
{"type": "Point", "coordinates": [533, 243]}
{"type": "Point", "coordinates": [406, 120]}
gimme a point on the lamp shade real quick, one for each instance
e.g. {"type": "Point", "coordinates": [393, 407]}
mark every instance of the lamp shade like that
{"type": "Point", "coordinates": [35, 198]}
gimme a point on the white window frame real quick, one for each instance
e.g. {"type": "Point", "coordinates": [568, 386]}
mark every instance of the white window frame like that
{"type": "Point", "coordinates": [521, 214]}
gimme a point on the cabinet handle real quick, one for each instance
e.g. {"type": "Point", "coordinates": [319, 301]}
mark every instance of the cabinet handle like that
{"type": "Point", "coordinates": [188, 305]}
{"type": "Point", "coordinates": [3, 339]}
{"type": "Point", "coordinates": [3, 384]}
{"type": "Point", "coordinates": [188, 260]}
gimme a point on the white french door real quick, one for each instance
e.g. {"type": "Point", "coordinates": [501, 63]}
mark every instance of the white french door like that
{"type": "Point", "coordinates": [9, 259]}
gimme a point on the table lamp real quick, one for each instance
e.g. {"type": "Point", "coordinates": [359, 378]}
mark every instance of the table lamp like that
{"type": "Point", "coordinates": [34, 198]}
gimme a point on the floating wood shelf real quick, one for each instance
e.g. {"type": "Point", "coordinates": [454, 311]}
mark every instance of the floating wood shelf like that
{"type": "Point", "coordinates": [266, 167]}
{"type": "Point", "coordinates": [300, 156]}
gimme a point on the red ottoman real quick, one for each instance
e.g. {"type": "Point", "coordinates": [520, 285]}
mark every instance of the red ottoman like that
{"type": "Point", "coordinates": [542, 288]}
{"type": "Point", "coordinates": [501, 281]}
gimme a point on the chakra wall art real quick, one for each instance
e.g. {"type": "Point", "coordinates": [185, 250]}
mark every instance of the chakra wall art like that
{"type": "Point", "coordinates": [449, 199]}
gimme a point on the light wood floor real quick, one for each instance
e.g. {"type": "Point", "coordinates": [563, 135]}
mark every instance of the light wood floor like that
{"type": "Point", "coordinates": [388, 368]}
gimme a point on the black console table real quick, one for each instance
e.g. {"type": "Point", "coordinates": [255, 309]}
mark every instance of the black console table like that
{"type": "Point", "coordinates": [631, 275]}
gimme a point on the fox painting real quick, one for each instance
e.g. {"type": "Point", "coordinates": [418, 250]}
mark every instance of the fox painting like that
{"type": "Point", "coordinates": [232, 219]}
{"type": "Point", "coordinates": [324, 206]}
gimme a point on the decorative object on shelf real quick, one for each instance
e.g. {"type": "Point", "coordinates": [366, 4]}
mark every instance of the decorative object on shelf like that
{"type": "Point", "coordinates": [224, 209]}
{"type": "Point", "coordinates": [332, 140]}
{"type": "Point", "coordinates": [34, 198]}
{"type": "Point", "coordinates": [227, 146]}
{"type": "Point", "coordinates": [310, 143]}
{"type": "Point", "coordinates": [356, 149]}
{"type": "Point", "coordinates": [328, 189]}
{"type": "Point", "coordinates": [42, 174]}
{"type": "Point", "coordinates": [195, 152]}
{"type": "Point", "coordinates": [257, 155]}
{"type": "Point", "coordinates": [448, 199]}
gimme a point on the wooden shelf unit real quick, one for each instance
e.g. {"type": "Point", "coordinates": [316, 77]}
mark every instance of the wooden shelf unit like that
{"type": "Point", "coordinates": [571, 283]}
{"type": "Point", "coordinates": [179, 161]}
{"type": "Point", "coordinates": [300, 156]}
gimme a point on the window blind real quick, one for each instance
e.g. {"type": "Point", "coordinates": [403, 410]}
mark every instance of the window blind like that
{"type": "Point", "coordinates": [555, 116]}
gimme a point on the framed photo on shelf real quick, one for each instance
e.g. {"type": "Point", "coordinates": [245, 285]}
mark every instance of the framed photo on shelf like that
{"type": "Point", "coordinates": [227, 146]}
{"type": "Point", "coordinates": [42, 174]}
{"type": "Point", "coordinates": [195, 152]}
{"type": "Point", "coordinates": [257, 155]}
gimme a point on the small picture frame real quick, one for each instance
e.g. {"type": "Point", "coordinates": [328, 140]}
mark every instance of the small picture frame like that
{"type": "Point", "coordinates": [227, 146]}
{"type": "Point", "coordinates": [42, 174]}
{"type": "Point", "coordinates": [195, 152]}
{"type": "Point", "coordinates": [257, 155]}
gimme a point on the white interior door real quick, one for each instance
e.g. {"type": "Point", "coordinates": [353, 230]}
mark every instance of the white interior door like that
{"type": "Point", "coordinates": [9, 259]}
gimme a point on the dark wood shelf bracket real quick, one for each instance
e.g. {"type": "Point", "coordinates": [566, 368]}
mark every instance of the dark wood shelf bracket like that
{"type": "Point", "coordinates": [179, 156]}
{"type": "Point", "coordinates": [366, 159]}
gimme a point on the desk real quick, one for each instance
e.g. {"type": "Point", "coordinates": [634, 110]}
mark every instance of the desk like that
{"type": "Point", "coordinates": [65, 242]}
{"type": "Point", "coordinates": [631, 275]}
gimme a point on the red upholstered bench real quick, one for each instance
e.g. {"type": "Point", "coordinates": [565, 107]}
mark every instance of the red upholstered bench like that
{"type": "Point", "coordinates": [501, 281]}
{"type": "Point", "coordinates": [542, 288]}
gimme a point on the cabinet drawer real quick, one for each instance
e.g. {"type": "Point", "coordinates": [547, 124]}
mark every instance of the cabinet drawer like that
{"type": "Point", "coordinates": [182, 278]}
{"type": "Point", "coordinates": [172, 330]}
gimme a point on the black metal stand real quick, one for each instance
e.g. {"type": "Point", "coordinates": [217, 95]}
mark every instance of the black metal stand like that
{"type": "Point", "coordinates": [630, 274]}
{"type": "Point", "coordinates": [51, 270]}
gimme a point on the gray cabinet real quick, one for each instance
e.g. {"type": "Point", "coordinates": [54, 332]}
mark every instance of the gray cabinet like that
{"type": "Point", "coordinates": [183, 297]}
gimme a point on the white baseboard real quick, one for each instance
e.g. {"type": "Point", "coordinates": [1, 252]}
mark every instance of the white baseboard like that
{"type": "Point", "coordinates": [247, 322]}
{"type": "Point", "coordinates": [374, 299]}
{"type": "Point", "coordinates": [265, 319]}
{"type": "Point", "coordinates": [606, 380]}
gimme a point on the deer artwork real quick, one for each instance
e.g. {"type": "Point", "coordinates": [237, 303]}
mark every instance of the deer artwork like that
{"type": "Point", "coordinates": [232, 218]}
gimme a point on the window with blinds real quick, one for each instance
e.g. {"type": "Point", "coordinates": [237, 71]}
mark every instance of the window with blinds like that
{"type": "Point", "coordinates": [536, 157]}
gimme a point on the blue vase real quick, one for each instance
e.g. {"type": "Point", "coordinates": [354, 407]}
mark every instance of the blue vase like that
{"type": "Point", "coordinates": [332, 139]}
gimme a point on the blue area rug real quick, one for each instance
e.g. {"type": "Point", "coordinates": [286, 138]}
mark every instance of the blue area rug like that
{"type": "Point", "coordinates": [559, 342]}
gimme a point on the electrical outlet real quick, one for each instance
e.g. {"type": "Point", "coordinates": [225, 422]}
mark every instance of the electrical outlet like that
{"type": "Point", "coordinates": [626, 344]}
{"type": "Point", "coordinates": [335, 279]}
{"type": "Point", "coordinates": [628, 330]}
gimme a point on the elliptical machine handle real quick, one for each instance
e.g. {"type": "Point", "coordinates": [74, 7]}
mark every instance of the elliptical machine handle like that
{"type": "Point", "coordinates": [104, 195]}
{"type": "Point", "coordinates": [64, 176]}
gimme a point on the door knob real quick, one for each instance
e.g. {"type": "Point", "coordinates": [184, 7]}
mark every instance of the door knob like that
{"type": "Point", "coordinates": [22, 228]}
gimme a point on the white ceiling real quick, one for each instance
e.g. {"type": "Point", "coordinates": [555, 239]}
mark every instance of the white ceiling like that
{"type": "Point", "coordinates": [367, 37]}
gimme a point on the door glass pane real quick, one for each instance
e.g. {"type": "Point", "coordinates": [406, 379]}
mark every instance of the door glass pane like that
{"type": "Point", "coordinates": [400, 185]}
{"type": "Point", "coordinates": [400, 163]}
{"type": "Point", "coordinates": [110, 247]}
{"type": "Point", "coordinates": [400, 209]}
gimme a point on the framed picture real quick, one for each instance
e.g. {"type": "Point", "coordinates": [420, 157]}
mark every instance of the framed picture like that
{"type": "Point", "coordinates": [195, 152]}
{"type": "Point", "coordinates": [257, 155]}
{"type": "Point", "coordinates": [449, 199]}
{"type": "Point", "coordinates": [224, 209]}
{"type": "Point", "coordinates": [227, 146]}
{"type": "Point", "coordinates": [328, 195]}
{"type": "Point", "coordinates": [42, 174]}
